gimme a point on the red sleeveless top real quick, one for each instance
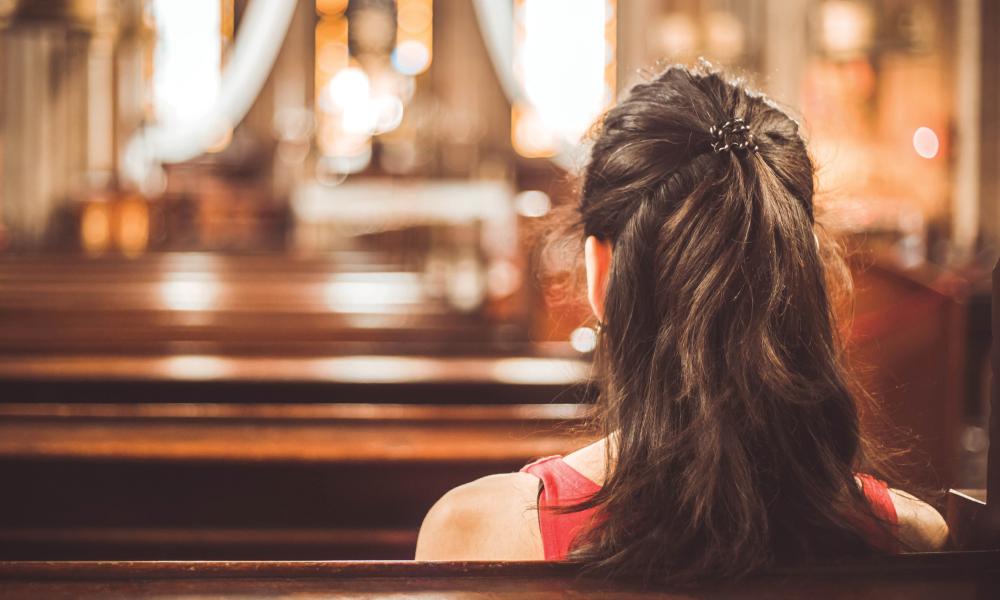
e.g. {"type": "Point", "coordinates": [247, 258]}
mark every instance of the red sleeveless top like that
{"type": "Point", "coordinates": [562, 485]}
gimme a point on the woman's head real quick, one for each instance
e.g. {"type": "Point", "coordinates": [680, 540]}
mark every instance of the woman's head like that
{"type": "Point", "coordinates": [735, 433]}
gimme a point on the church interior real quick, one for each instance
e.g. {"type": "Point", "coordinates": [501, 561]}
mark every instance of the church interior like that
{"type": "Point", "coordinates": [277, 274]}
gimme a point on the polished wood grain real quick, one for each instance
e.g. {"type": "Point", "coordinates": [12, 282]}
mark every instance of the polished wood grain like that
{"type": "Point", "coordinates": [356, 369]}
{"type": "Point", "coordinates": [365, 412]}
{"type": "Point", "coordinates": [205, 303]}
{"type": "Point", "coordinates": [251, 433]}
{"type": "Point", "coordinates": [214, 378]}
{"type": "Point", "coordinates": [955, 576]}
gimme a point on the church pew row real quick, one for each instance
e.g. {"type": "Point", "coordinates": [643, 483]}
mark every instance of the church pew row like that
{"type": "Point", "coordinates": [206, 328]}
{"type": "Point", "coordinates": [957, 576]}
{"type": "Point", "coordinates": [207, 303]}
{"type": "Point", "coordinates": [213, 378]}
{"type": "Point", "coordinates": [147, 484]}
{"type": "Point", "coordinates": [265, 481]}
{"type": "Point", "coordinates": [250, 481]}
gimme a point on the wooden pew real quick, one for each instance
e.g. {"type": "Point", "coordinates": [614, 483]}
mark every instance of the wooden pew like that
{"type": "Point", "coordinates": [906, 346]}
{"type": "Point", "coordinates": [249, 481]}
{"type": "Point", "coordinates": [241, 304]}
{"type": "Point", "coordinates": [974, 519]}
{"type": "Point", "coordinates": [956, 576]}
{"type": "Point", "coordinates": [394, 379]}
{"type": "Point", "coordinates": [88, 428]}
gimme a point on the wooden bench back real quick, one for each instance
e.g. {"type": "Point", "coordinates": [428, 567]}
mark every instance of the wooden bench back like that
{"type": "Point", "coordinates": [954, 576]}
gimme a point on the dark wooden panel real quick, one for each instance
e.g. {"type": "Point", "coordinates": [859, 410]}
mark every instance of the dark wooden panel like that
{"type": "Point", "coordinates": [249, 481]}
{"type": "Point", "coordinates": [992, 528]}
{"type": "Point", "coordinates": [955, 576]}
{"type": "Point", "coordinates": [906, 346]}
{"type": "Point", "coordinates": [965, 512]}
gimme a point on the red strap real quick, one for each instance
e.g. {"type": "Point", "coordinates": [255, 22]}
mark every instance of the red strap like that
{"type": "Point", "coordinates": [562, 485]}
{"type": "Point", "coordinates": [880, 532]}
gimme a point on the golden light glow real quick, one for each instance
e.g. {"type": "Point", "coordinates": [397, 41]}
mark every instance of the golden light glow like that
{"type": "Point", "coordinates": [565, 62]}
{"type": "Point", "coordinates": [356, 99]}
{"type": "Point", "coordinates": [132, 231]}
{"type": "Point", "coordinates": [95, 227]}
{"type": "Point", "coordinates": [196, 367]}
{"type": "Point", "coordinates": [331, 50]}
{"type": "Point", "coordinates": [414, 36]}
{"type": "Point", "coordinates": [848, 27]}
{"type": "Point", "coordinates": [194, 293]}
{"type": "Point", "coordinates": [337, 83]}
{"type": "Point", "coordinates": [331, 8]}
{"type": "Point", "coordinates": [529, 133]}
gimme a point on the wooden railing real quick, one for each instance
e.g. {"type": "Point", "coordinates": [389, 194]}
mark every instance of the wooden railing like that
{"type": "Point", "coordinates": [955, 576]}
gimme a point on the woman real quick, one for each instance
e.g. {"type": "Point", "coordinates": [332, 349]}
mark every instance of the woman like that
{"type": "Point", "coordinates": [731, 437]}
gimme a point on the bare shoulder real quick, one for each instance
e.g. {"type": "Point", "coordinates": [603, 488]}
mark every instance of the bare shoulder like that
{"type": "Point", "coordinates": [921, 527]}
{"type": "Point", "coordinates": [493, 518]}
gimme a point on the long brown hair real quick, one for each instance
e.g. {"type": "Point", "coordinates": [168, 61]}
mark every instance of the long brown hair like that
{"type": "Point", "coordinates": [735, 432]}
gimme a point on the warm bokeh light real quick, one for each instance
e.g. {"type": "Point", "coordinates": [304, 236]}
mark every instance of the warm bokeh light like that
{"type": "Point", "coordinates": [331, 7]}
{"type": "Point", "coordinates": [348, 88]}
{"type": "Point", "coordinates": [583, 339]}
{"type": "Point", "coordinates": [926, 142]}
{"type": "Point", "coordinates": [132, 231]}
{"type": "Point", "coordinates": [565, 60]}
{"type": "Point", "coordinates": [388, 113]}
{"type": "Point", "coordinates": [361, 96]}
{"type": "Point", "coordinates": [532, 204]}
{"type": "Point", "coordinates": [372, 292]}
{"type": "Point", "coordinates": [189, 293]}
{"type": "Point", "coordinates": [848, 27]}
{"type": "Point", "coordinates": [411, 57]}
{"type": "Point", "coordinates": [95, 227]}
{"type": "Point", "coordinates": [414, 36]}
{"type": "Point", "coordinates": [194, 367]}
{"type": "Point", "coordinates": [539, 371]}
{"type": "Point", "coordinates": [529, 133]}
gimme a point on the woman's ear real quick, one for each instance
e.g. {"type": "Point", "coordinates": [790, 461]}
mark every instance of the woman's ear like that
{"type": "Point", "coordinates": [597, 256]}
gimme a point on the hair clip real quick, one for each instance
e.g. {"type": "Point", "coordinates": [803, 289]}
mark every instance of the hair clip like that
{"type": "Point", "coordinates": [734, 133]}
